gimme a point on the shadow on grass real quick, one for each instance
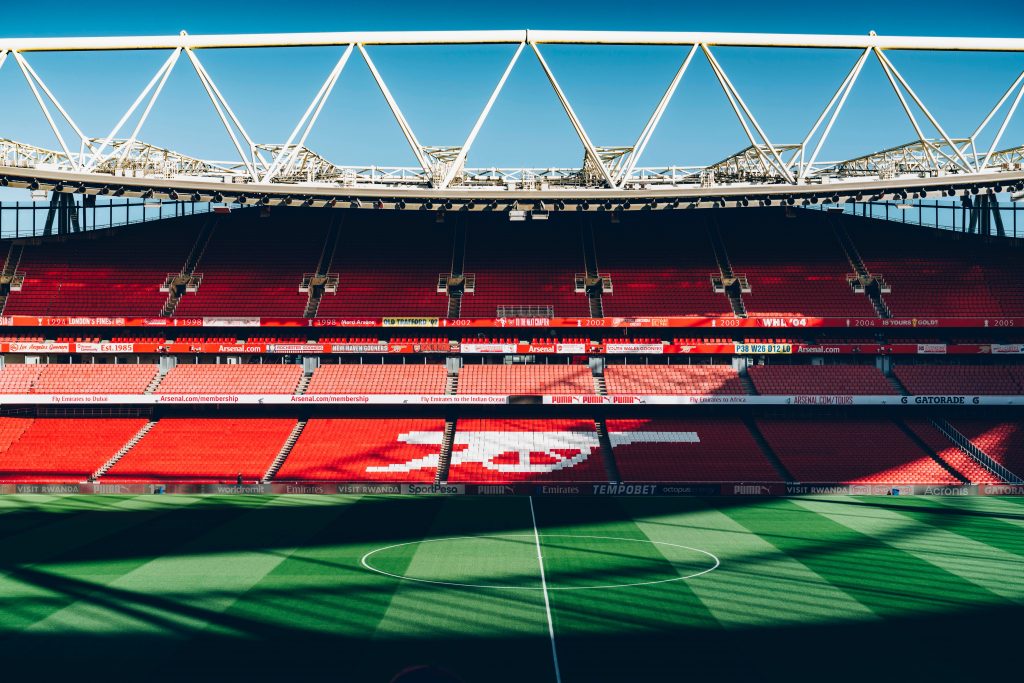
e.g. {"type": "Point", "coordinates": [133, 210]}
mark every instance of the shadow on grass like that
{"type": "Point", "coordinates": [284, 630]}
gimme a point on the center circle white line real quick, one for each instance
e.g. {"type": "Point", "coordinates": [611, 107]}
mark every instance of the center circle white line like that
{"type": "Point", "coordinates": [364, 562]}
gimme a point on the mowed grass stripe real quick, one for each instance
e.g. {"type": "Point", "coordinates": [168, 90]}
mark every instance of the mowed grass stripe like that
{"type": "Point", "coordinates": [321, 587]}
{"type": "Point", "coordinates": [889, 581]}
{"type": "Point", "coordinates": [419, 609]}
{"type": "Point", "coordinates": [28, 590]}
{"type": "Point", "coordinates": [614, 610]}
{"type": "Point", "coordinates": [21, 513]}
{"type": "Point", "coordinates": [343, 621]}
{"type": "Point", "coordinates": [174, 596]}
{"type": "Point", "coordinates": [757, 584]}
{"type": "Point", "coordinates": [996, 529]}
{"type": "Point", "coordinates": [1002, 508]}
{"type": "Point", "coordinates": [987, 567]}
{"type": "Point", "coordinates": [124, 541]}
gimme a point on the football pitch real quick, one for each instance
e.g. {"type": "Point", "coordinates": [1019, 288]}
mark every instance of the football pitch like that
{"type": "Point", "coordinates": [355, 588]}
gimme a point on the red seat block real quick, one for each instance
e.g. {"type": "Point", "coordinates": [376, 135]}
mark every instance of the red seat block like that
{"type": "Point", "coordinates": [203, 450]}
{"type": "Point", "coordinates": [698, 450]}
{"type": "Point", "coordinates": [54, 450]}
{"type": "Point", "coordinates": [382, 450]}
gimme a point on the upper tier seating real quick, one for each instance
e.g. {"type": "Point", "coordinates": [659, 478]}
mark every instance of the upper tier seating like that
{"type": "Point", "coordinates": [795, 266]}
{"type": "Point", "coordinates": [231, 379]}
{"type": "Point", "coordinates": [82, 378]}
{"type": "Point", "coordinates": [523, 265]}
{"type": "Point", "coordinates": [666, 272]}
{"type": "Point", "coordinates": [865, 380]}
{"type": "Point", "coordinates": [102, 273]}
{"type": "Point", "coordinates": [498, 451]}
{"type": "Point", "coordinates": [378, 379]}
{"type": "Point", "coordinates": [389, 267]}
{"type": "Point", "coordinates": [352, 449]}
{"type": "Point", "coordinates": [710, 449]}
{"type": "Point", "coordinates": [679, 380]}
{"type": "Point", "coordinates": [944, 448]}
{"type": "Point", "coordinates": [526, 379]}
{"type": "Point", "coordinates": [861, 451]}
{"type": "Point", "coordinates": [993, 380]}
{"type": "Point", "coordinates": [933, 273]}
{"type": "Point", "coordinates": [54, 450]}
{"type": "Point", "coordinates": [203, 450]}
{"type": "Point", "coordinates": [254, 267]}
{"type": "Point", "coordinates": [1001, 440]}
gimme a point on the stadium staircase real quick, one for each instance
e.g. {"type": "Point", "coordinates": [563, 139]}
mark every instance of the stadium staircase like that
{"type": "Point", "coordinates": [289, 443]}
{"type": "Point", "coordinates": [10, 277]}
{"type": "Point", "coordinates": [457, 280]}
{"type": "Point", "coordinates": [451, 386]}
{"type": "Point", "coordinates": [600, 385]}
{"type": "Point", "coordinates": [187, 279]}
{"type": "Point", "coordinates": [767, 450]}
{"type": "Point", "coordinates": [303, 384]}
{"type": "Point", "coordinates": [444, 459]}
{"type": "Point", "coordinates": [897, 385]}
{"type": "Point", "coordinates": [872, 284]}
{"type": "Point", "coordinates": [748, 385]}
{"type": "Point", "coordinates": [152, 387]}
{"type": "Point", "coordinates": [912, 435]}
{"type": "Point", "coordinates": [593, 282]}
{"type": "Point", "coordinates": [105, 467]}
{"type": "Point", "coordinates": [610, 467]}
{"type": "Point", "coordinates": [316, 283]}
{"type": "Point", "coordinates": [972, 449]}
{"type": "Point", "coordinates": [731, 283]}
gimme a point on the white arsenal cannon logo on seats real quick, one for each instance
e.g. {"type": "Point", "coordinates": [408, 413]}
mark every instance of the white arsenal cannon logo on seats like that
{"type": "Point", "coordinates": [558, 450]}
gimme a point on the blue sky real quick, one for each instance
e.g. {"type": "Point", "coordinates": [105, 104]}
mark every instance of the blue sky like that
{"type": "Point", "coordinates": [442, 89]}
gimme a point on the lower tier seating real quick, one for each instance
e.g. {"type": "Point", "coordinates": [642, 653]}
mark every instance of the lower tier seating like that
{"type": "Point", "coordinates": [378, 379]}
{"type": "Point", "coordinates": [81, 378]}
{"type": "Point", "coordinates": [526, 379]}
{"type": "Point", "coordinates": [676, 380]}
{"type": "Point", "coordinates": [56, 450]}
{"type": "Point", "coordinates": [499, 451]}
{"type": "Point", "coordinates": [231, 379]}
{"type": "Point", "coordinates": [383, 450]}
{"type": "Point", "coordinates": [865, 380]}
{"type": "Point", "coordinates": [992, 380]}
{"type": "Point", "coordinates": [1002, 440]}
{"type": "Point", "coordinates": [957, 459]}
{"type": "Point", "coordinates": [688, 450]}
{"type": "Point", "coordinates": [203, 450]}
{"type": "Point", "coordinates": [19, 378]}
{"type": "Point", "coordinates": [850, 452]}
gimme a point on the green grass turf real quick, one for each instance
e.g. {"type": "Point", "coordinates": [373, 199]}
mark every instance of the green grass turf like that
{"type": "Point", "coordinates": [231, 588]}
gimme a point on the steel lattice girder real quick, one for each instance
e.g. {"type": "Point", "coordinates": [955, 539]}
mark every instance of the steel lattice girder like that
{"type": "Point", "coordinates": [293, 170]}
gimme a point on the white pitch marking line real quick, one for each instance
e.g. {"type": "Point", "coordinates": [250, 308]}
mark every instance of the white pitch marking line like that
{"type": "Point", "coordinates": [544, 587]}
